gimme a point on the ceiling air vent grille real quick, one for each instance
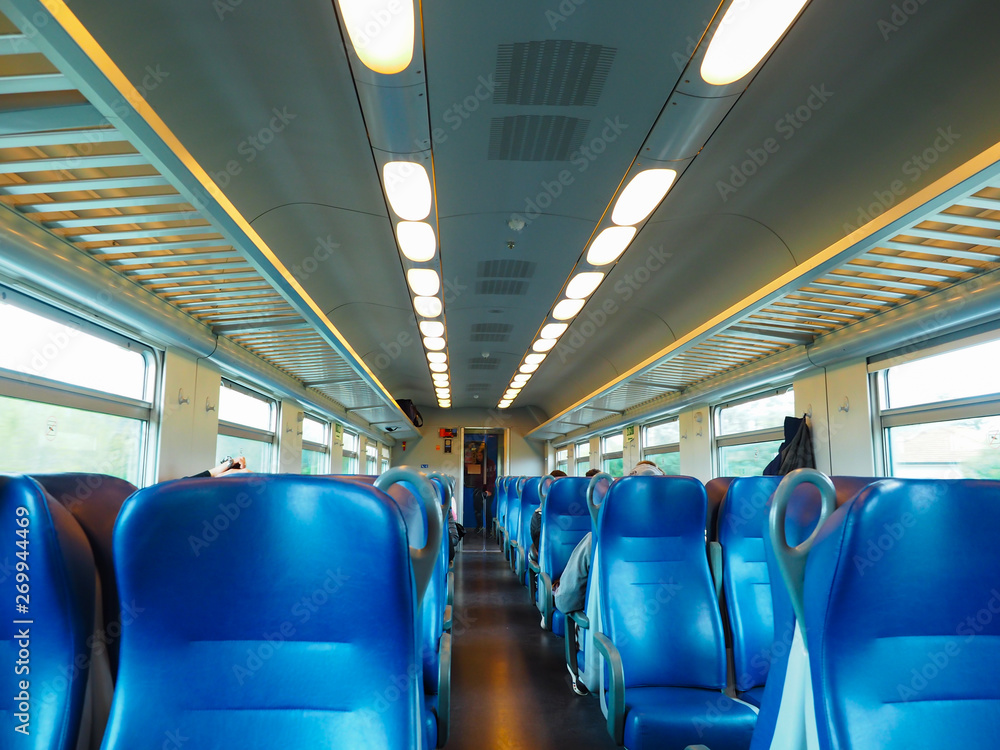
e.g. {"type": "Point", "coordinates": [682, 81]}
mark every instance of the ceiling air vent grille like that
{"type": "Point", "coordinates": [556, 72]}
{"type": "Point", "coordinates": [501, 286]}
{"type": "Point", "coordinates": [535, 137]}
{"type": "Point", "coordinates": [484, 363]}
{"type": "Point", "coordinates": [491, 331]}
{"type": "Point", "coordinates": [505, 268]}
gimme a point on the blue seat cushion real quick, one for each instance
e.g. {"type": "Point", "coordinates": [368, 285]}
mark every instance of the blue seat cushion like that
{"type": "Point", "coordinates": [430, 722]}
{"type": "Point", "coordinates": [753, 696]}
{"type": "Point", "coordinates": [669, 718]}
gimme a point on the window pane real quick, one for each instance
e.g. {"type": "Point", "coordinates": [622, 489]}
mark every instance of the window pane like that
{"type": "Point", "coordinates": [614, 466]}
{"type": "Point", "coordinates": [746, 460]}
{"type": "Point", "coordinates": [563, 466]}
{"type": "Point", "coordinates": [350, 464]}
{"type": "Point", "coordinates": [35, 345]}
{"type": "Point", "coordinates": [241, 408]}
{"type": "Point", "coordinates": [257, 452]}
{"type": "Point", "coordinates": [562, 455]}
{"type": "Point", "coordinates": [350, 442]}
{"type": "Point", "coordinates": [313, 462]}
{"type": "Point", "coordinates": [959, 374]}
{"type": "Point", "coordinates": [960, 449]}
{"type": "Point", "coordinates": [582, 467]}
{"type": "Point", "coordinates": [385, 465]}
{"type": "Point", "coordinates": [37, 437]}
{"type": "Point", "coordinates": [582, 450]}
{"type": "Point", "coordinates": [760, 414]}
{"type": "Point", "coordinates": [613, 444]}
{"type": "Point", "coordinates": [314, 431]}
{"type": "Point", "coordinates": [669, 463]}
{"type": "Point", "coordinates": [665, 433]}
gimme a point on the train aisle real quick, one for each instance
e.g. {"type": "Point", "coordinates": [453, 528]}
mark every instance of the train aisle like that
{"type": "Point", "coordinates": [510, 687]}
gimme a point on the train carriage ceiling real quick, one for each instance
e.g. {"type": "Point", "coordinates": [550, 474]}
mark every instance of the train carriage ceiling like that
{"type": "Point", "coordinates": [537, 114]}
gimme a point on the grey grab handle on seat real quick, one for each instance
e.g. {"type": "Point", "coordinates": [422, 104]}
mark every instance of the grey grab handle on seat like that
{"type": "Point", "coordinates": [448, 494]}
{"type": "Point", "coordinates": [591, 488]}
{"type": "Point", "coordinates": [424, 559]}
{"type": "Point", "coordinates": [520, 485]}
{"type": "Point", "coordinates": [543, 487]}
{"type": "Point", "coordinates": [792, 560]}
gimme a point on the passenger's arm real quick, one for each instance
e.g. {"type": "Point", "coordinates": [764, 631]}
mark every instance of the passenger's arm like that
{"type": "Point", "coordinates": [616, 695]}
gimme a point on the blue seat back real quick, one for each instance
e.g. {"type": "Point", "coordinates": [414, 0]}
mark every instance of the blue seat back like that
{"type": "Point", "coordinates": [95, 501]}
{"type": "Point", "coordinates": [502, 496]}
{"type": "Point", "coordinates": [746, 581]}
{"type": "Point", "coordinates": [513, 512]}
{"type": "Point", "coordinates": [658, 600]}
{"type": "Point", "coordinates": [530, 499]}
{"type": "Point", "coordinates": [257, 627]}
{"type": "Point", "coordinates": [565, 521]}
{"type": "Point", "coordinates": [47, 645]}
{"type": "Point", "coordinates": [902, 607]}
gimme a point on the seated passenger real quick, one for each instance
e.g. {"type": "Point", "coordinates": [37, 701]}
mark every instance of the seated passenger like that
{"type": "Point", "coordinates": [535, 527]}
{"type": "Point", "coordinates": [455, 533]}
{"type": "Point", "coordinates": [228, 467]}
{"type": "Point", "coordinates": [569, 593]}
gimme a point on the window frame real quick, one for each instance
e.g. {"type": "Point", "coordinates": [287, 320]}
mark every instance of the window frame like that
{"type": "Point", "coordinates": [244, 432]}
{"type": "Point", "coordinates": [372, 456]}
{"type": "Point", "coordinates": [324, 447]}
{"type": "Point", "coordinates": [748, 437]}
{"type": "Point", "coordinates": [579, 458]}
{"type": "Point", "coordinates": [39, 389]}
{"type": "Point", "coordinates": [653, 450]}
{"type": "Point", "coordinates": [613, 455]}
{"type": "Point", "coordinates": [350, 456]}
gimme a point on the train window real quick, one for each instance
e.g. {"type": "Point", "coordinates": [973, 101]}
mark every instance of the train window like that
{"type": "Point", "coordinates": [246, 426]}
{"type": "Point", "coordinates": [582, 453]}
{"type": "Point", "coordinates": [350, 453]}
{"type": "Point", "coordinates": [612, 447]}
{"type": "Point", "coordinates": [385, 460]}
{"type": "Point", "coordinates": [371, 458]}
{"type": "Point", "coordinates": [749, 432]}
{"type": "Point", "coordinates": [73, 397]}
{"type": "Point", "coordinates": [940, 415]}
{"type": "Point", "coordinates": [661, 444]}
{"type": "Point", "coordinates": [315, 446]}
{"type": "Point", "coordinates": [562, 460]}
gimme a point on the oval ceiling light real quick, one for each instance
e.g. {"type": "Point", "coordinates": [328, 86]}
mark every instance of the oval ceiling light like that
{"type": "Point", "coordinates": [520, 380]}
{"type": "Point", "coordinates": [503, 404]}
{"type": "Point", "coordinates": [581, 286]}
{"type": "Point", "coordinates": [641, 196]}
{"type": "Point", "coordinates": [444, 404]}
{"type": "Point", "coordinates": [438, 377]}
{"type": "Point", "coordinates": [416, 240]}
{"type": "Point", "coordinates": [438, 367]}
{"type": "Point", "coordinates": [553, 330]}
{"type": "Point", "coordinates": [443, 392]}
{"type": "Point", "coordinates": [543, 345]}
{"type": "Point", "coordinates": [746, 34]}
{"type": "Point", "coordinates": [431, 328]}
{"type": "Point", "coordinates": [535, 359]}
{"type": "Point", "coordinates": [427, 307]}
{"type": "Point", "coordinates": [437, 357]}
{"type": "Point", "coordinates": [381, 32]}
{"type": "Point", "coordinates": [527, 368]}
{"type": "Point", "coordinates": [511, 394]}
{"type": "Point", "coordinates": [423, 281]}
{"type": "Point", "coordinates": [609, 244]}
{"type": "Point", "coordinates": [434, 343]}
{"type": "Point", "coordinates": [408, 189]}
{"type": "Point", "coordinates": [567, 309]}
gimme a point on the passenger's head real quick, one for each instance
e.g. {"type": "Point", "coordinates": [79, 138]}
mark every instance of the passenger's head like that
{"type": "Point", "coordinates": [646, 469]}
{"type": "Point", "coordinates": [558, 473]}
{"type": "Point", "coordinates": [592, 472]}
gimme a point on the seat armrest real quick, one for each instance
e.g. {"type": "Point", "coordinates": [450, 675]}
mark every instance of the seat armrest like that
{"type": "Point", "coordinates": [616, 695]}
{"type": "Point", "coordinates": [451, 588]}
{"type": "Point", "coordinates": [715, 562]}
{"type": "Point", "coordinates": [533, 572]}
{"type": "Point", "coordinates": [580, 618]}
{"type": "Point", "coordinates": [444, 691]}
{"type": "Point", "coordinates": [696, 747]}
{"type": "Point", "coordinates": [545, 600]}
{"type": "Point", "coordinates": [533, 565]}
{"type": "Point", "coordinates": [447, 619]}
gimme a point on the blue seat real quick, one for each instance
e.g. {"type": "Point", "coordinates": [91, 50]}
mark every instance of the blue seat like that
{"type": "Point", "coordinates": [49, 571]}
{"type": "Point", "coordinates": [95, 501]}
{"type": "Point", "coordinates": [530, 499]}
{"type": "Point", "coordinates": [513, 522]}
{"type": "Point", "coordinates": [746, 582]}
{"type": "Point", "coordinates": [260, 634]}
{"type": "Point", "coordinates": [501, 517]}
{"type": "Point", "coordinates": [661, 634]}
{"type": "Point", "coordinates": [565, 521]}
{"type": "Point", "coordinates": [902, 608]}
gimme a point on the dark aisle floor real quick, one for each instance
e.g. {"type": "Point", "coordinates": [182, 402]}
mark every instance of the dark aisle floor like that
{"type": "Point", "coordinates": [510, 688]}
